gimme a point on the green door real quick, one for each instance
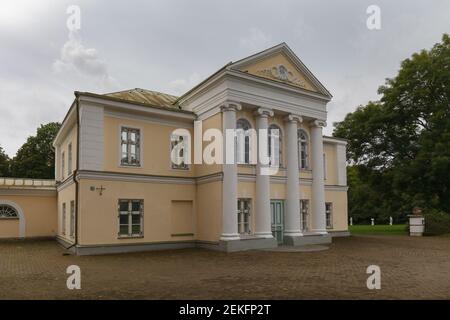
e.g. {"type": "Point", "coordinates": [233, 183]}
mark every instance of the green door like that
{"type": "Point", "coordinates": [277, 213]}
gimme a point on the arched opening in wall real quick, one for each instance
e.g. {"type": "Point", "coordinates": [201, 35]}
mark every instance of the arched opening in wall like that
{"type": "Point", "coordinates": [10, 213]}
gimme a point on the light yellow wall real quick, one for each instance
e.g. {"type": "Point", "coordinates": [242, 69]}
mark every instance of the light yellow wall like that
{"type": "Point", "coordinates": [65, 196]}
{"type": "Point", "coordinates": [213, 122]}
{"type": "Point", "coordinates": [209, 211]}
{"type": "Point", "coordinates": [98, 221]}
{"type": "Point", "coordinates": [155, 148]}
{"type": "Point", "coordinates": [39, 212]}
{"type": "Point", "coordinates": [71, 137]}
{"type": "Point", "coordinates": [273, 61]}
{"type": "Point", "coordinates": [9, 228]}
{"type": "Point", "coordinates": [330, 155]}
{"type": "Point", "coordinates": [340, 215]}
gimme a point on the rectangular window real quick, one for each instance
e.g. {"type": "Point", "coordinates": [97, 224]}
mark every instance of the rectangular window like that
{"type": "Point", "coordinates": [130, 146]}
{"type": "Point", "coordinates": [329, 214]}
{"type": "Point", "coordinates": [69, 159]}
{"type": "Point", "coordinates": [72, 219]}
{"type": "Point", "coordinates": [63, 164]}
{"type": "Point", "coordinates": [177, 151]}
{"type": "Point", "coordinates": [304, 213]}
{"type": "Point", "coordinates": [131, 218]}
{"type": "Point", "coordinates": [63, 219]}
{"type": "Point", "coordinates": [243, 206]}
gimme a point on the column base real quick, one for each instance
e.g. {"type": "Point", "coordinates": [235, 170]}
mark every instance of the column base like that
{"type": "Point", "coordinates": [247, 244]}
{"type": "Point", "coordinates": [229, 237]}
{"type": "Point", "coordinates": [295, 233]}
{"type": "Point", "coordinates": [265, 235]}
{"type": "Point", "coordinates": [318, 231]}
{"type": "Point", "coordinates": [307, 239]}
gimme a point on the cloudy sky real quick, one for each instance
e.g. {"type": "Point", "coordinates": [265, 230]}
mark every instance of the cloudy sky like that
{"type": "Point", "coordinates": [171, 45]}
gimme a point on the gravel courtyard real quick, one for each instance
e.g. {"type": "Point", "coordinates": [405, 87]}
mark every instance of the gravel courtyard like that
{"type": "Point", "coordinates": [411, 268]}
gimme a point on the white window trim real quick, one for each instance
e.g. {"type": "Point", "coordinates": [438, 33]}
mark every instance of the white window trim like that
{"type": "Point", "coordinates": [72, 219]}
{"type": "Point", "coordinates": [250, 232]}
{"type": "Point", "coordinates": [303, 227]}
{"type": "Point", "coordinates": [63, 218]}
{"type": "Point", "coordinates": [128, 236]}
{"type": "Point", "coordinates": [308, 150]}
{"type": "Point", "coordinates": [141, 149]}
{"type": "Point", "coordinates": [187, 166]}
{"type": "Point", "coordinates": [63, 164]}
{"type": "Point", "coordinates": [331, 215]}
{"type": "Point", "coordinates": [281, 136]}
{"type": "Point", "coordinates": [248, 133]}
{"type": "Point", "coordinates": [69, 159]}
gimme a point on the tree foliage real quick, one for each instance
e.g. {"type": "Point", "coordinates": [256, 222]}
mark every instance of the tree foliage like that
{"type": "Point", "coordinates": [399, 147]}
{"type": "Point", "coordinates": [4, 163]}
{"type": "Point", "coordinates": [36, 157]}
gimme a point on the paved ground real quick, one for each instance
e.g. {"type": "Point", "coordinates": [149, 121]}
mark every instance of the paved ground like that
{"type": "Point", "coordinates": [410, 268]}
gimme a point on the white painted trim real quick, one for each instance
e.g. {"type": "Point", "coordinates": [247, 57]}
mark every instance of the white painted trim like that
{"type": "Point", "coordinates": [141, 144]}
{"type": "Point", "coordinates": [22, 220]}
{"type": "Point", "coordinates": [149, 119]}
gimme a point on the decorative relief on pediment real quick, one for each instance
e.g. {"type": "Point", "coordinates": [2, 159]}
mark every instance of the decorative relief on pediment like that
{"type": "Point", "coordinates": [281, 73]}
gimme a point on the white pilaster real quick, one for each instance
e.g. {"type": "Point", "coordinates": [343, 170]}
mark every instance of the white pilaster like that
{"type": "Point", "coordinates": [318, 184]}
{"type": "Point", "coordinates": [229, 188]}
{"type": "Point", "coordinates": [292, 218]}
{"type": "Point", "coordinates": [263, 226]}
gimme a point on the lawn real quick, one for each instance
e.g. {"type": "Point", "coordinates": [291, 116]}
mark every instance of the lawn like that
{"type": "Point", "coordinates": [396, 229]}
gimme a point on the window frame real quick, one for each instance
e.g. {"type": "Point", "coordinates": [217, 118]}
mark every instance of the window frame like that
{"type": "Point", "coordinates": [63, 219]}
{"type": "Point", "coordinates": [329, 215]}
{"type": "Point", "coordinates": [15, 211]}
{"type": "Point", "coordinates": [139, 145]}
{"type": "Point", "coordinates": [246, 223]}
{"type": "Point", "coordinates": [280, 147]}
{"type": "Point", "coordinates": [69, 159]}
{"type": "Point", "coordinates": [304, 219]}
{"type": "Point", "coordinates": [183, 166]}
{"type": "Point", "coordinates": [300, 143]}
{"type": "Point", "coordinates": [72, 219]}
{"type": "Point", "coordinates": [130, 223]}
{"type": "Point", "coordinates": [63, 164]}
{"type": "Point", "coordinates": [247, 133]}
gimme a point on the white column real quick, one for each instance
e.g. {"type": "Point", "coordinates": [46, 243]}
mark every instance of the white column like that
{"type": "Point", "coordinates": [229, 187]}
{"type": "Point", "coordinates": [263, 227]}
{"type": "Point", "coordinates": [318, 184]}
{"type": "Point", "coordinates": [292, 218]}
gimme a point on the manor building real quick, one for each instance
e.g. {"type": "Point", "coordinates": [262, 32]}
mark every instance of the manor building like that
{"type": "Point", "coordinates": [116, 188]}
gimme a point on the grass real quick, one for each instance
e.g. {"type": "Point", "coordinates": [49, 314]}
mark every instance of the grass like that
{"type": "Point", "coordinates": [396, 229]}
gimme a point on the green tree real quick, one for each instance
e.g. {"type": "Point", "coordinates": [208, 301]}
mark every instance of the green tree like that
{"type": "Point", "coordinates": [4, 163]}
{"type": "Point", "coordinates": [400, 146]}
{"type": "Point", "coordinates": [36, 157]}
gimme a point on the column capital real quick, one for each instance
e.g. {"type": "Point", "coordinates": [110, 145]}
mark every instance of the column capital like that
{"type": "Point", "coordinates": [294, 118]}
{"type": "Point", "coordinates": [230, 106]}
{"type": "Point", "coordinates": [319, 123]}
{"type": "Point", "coordinates": [264, 112]}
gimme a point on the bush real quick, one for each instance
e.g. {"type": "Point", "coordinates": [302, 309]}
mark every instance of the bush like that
{"type": "Point", "coordinates": [436, 222]}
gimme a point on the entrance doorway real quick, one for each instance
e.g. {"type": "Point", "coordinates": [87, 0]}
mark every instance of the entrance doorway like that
{"type": "Point", "coordinates": [277, 214]}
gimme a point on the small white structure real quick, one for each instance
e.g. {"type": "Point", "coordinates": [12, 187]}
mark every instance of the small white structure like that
{"type": "Point", "coordinates": [390, 221]}
{"type": "Point", "coordinates": [351, 221]}
{"type": "Point", "coordinates": [416, 225]}
{"type": "Point", "coordinates": [372, 221]}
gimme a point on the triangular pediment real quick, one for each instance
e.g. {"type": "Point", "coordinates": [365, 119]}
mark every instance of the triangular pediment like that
{"type": "Point", "coordinates": [282, 65]}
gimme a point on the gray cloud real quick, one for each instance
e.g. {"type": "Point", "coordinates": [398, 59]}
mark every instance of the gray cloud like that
{"type": "Point", "coordinates": [171, 45]}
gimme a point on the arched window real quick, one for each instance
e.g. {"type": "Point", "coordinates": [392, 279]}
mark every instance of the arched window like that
{"type": "Point", "coordinates": [7, 211]}
{"type": "Point", "coordinates": [303, 152]}
{"type": "Point", "coordinates": [275, 145]}
{"type": "Point", "coordinates": [243, 134]}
